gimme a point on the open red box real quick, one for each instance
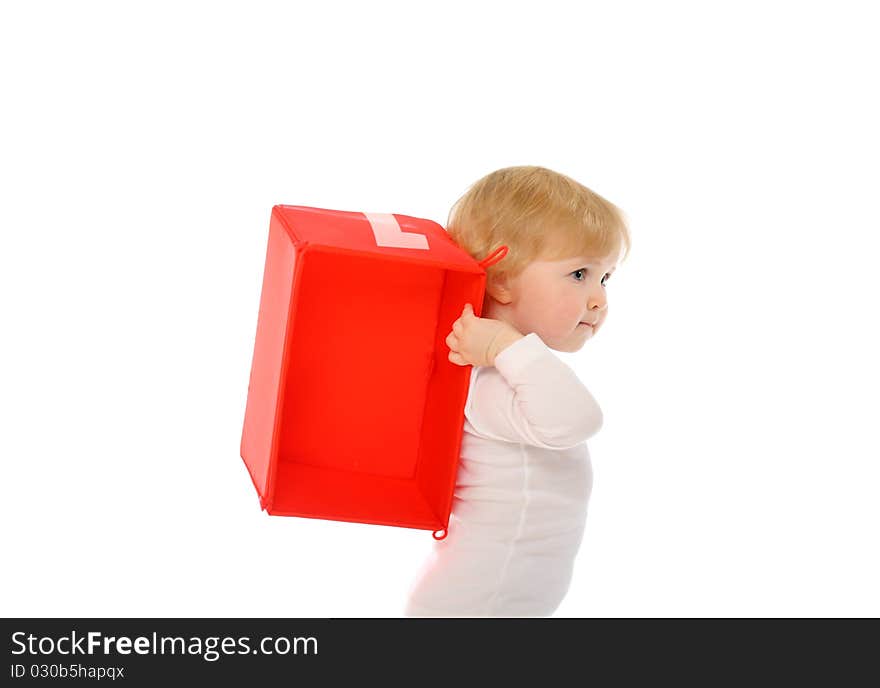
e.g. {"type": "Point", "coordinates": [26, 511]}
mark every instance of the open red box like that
{"type": "Point", "coordinates": [354, 411]}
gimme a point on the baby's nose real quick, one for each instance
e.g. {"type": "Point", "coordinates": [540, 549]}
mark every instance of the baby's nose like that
{"type": "Point", "coordinates": [597, 302]}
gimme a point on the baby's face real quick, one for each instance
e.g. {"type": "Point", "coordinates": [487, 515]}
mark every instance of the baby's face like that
{"type": "Point", "coordinates": [563, 301]}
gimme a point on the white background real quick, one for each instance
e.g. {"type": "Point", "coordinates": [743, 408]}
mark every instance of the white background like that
{"type": "Point", "coordinates": [142, 148]}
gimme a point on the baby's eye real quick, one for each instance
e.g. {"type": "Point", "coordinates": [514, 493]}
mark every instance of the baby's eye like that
{"type": "Point", "coordinates": [579, 275]}
{"type": "Point", "coordinates": [606, 278]}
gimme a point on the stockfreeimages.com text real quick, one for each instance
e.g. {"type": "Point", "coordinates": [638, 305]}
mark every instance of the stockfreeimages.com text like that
{"type": "Point", "coordinates": [210, 648]}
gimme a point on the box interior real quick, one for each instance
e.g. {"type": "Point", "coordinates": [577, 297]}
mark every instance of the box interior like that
{"type": "Point", "coordinates": [371, 409]}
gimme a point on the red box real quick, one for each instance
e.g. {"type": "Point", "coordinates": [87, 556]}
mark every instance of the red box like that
{"type": "Point", "coordinates": [354, 411]}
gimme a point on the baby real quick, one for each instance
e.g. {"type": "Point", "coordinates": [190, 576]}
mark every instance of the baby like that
{"type": "Point", "coordinates": [524, 474]}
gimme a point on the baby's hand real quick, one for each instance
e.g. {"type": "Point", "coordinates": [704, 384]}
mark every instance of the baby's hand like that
{"type": "Point", "coordinates": [477, 341]}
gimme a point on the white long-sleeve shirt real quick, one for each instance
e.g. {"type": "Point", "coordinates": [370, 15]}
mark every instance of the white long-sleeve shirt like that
{"type": "Point", "coordinates": [521, 493]}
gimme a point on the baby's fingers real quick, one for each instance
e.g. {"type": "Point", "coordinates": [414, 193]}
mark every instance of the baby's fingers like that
{"type": "Point", "coordinates": [457, 358]}
{"type": "Point", "coordinates": [452, 341]}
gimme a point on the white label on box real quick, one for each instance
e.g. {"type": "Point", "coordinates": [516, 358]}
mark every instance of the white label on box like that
{"type": "Point", "coordinates": [388, 232]}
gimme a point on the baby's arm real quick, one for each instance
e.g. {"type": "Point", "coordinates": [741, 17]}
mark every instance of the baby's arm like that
{"type": "Point", "coordinates": [537, 399]}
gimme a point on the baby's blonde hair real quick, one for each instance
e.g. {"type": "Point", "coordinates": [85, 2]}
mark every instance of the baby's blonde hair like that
{"type": "Point", "coordinates": [538, 214]}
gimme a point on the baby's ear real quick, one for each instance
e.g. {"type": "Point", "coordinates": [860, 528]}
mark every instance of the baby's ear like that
{"type": "Point", "coordinates": [499, 288]}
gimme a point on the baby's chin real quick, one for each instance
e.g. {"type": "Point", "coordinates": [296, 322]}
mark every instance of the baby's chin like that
{"type": "Point", "coordinates": [571, 345]}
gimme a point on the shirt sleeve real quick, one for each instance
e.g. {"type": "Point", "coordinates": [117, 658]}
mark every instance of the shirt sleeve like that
{"type": "Point", "coordinates": [534, 398]}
